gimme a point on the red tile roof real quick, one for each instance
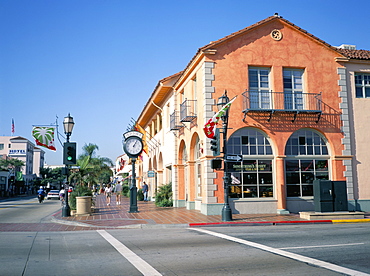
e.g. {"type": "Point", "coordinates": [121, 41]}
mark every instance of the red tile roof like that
{"type": "Point", "coordinates": [355, 54]}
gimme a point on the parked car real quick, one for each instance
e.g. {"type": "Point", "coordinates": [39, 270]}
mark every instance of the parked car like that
{"type": "Point", "coordinates": [53, 194]}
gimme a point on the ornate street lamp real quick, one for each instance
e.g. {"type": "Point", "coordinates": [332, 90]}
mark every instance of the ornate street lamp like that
{"type": "Point", "coordinates": [226, 210]}
{"type": "Point", "coordinates": [68, 124]}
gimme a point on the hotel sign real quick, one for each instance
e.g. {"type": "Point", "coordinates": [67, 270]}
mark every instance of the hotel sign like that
{"type": "Point", "coordinates": [17, 152]}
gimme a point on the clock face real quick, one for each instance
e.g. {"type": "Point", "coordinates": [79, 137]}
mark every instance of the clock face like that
{"type": "Point", "coordinates": [133, 146]}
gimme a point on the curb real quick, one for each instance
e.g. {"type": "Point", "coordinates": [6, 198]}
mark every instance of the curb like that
{"type": "Point", "coordinates": [338, 221]}
{"type": "Point", "coordinates": [262, 223]}
{"type": "Point", "coordinates": [258, 223]}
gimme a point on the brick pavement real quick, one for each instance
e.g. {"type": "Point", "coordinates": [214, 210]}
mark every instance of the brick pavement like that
{"type": "Point", "coordinates": [117, 216]}
{"type": "Point", "coordinates": [149, 215]}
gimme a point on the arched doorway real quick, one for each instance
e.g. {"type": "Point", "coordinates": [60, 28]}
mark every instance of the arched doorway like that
{"type": "Point", "coordinates": [307, 159]}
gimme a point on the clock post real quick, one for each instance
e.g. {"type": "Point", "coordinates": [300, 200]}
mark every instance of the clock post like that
{"type": "Point", "coordinates": [133, 190]}
{"type": "Point", "coordinates": [133, 146]}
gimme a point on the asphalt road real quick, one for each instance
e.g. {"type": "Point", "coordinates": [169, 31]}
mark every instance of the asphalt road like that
{"type": "Point", "coordinates": [318, 249]}
{"type": "Point", "coordinates": [27, 210]}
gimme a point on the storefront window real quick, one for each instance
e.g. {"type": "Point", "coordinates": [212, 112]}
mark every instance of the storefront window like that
{"type": "Point", "coordinates": [252, 176]}
{"type": "Point", "coordinates": [306, 161]}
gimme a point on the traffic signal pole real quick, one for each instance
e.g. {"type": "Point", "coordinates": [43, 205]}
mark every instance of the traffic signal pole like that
{"type": "Point", "coordinates": [66, 210]}
{"type": "Point", "coordinates": [69, 158]}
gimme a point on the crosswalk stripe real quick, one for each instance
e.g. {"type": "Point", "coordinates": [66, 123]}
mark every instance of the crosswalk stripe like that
{"type": "Point", "coordinates": [134, 259]}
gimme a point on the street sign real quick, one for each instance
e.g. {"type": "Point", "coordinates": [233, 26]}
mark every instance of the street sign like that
{"type": "Point", "coordinates": [132, 133]}
{"type": "Point", "coordinates": [234, 157]}
{"type": "Point", "coordinates": [151, 173]}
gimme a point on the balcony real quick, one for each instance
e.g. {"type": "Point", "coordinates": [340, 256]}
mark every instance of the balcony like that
{"type": "Point", "coordinates": [175, 123]}
{"type": "Point", "coordinates": [283, 102]}
{"type": "Point", "coordinates": [188, 111]}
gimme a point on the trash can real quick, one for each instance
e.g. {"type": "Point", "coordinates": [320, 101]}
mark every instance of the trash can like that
{"type": "Point", "coordinates": [330, 196]}
{"type": "Point", "coordinates": [323, 195]}
{"type": "Point", "coordinates": [340, 196]}
{"type": "Point", "coordinates": [83, 205]}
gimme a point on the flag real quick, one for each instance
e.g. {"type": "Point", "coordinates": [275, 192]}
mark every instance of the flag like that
{"type": "Point", "coordinates": [19, 176]}
{"type": "Point", "coordinates": [44, 137]}
{"type": "Point", "coordinates": [13, 127]}
{"type": "Point", "coordinates": [210, 125]}
{"type": "Point", "coordinates": [121, 164]}
{"type": "Point", "coordinates": [140, 129]}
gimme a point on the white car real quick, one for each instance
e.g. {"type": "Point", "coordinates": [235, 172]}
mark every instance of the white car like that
{"type": "Point", "coordinates": [53, 194]}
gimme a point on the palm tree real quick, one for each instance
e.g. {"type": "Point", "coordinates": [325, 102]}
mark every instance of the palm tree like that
{"type": "Point", "coordinates": [91, 166]}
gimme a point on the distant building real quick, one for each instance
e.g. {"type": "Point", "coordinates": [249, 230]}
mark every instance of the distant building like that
{"type": "Point", "coordinates": [21, 148]}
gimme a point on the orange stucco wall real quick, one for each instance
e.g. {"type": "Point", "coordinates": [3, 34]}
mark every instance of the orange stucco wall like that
{"type": "Point", "coordinates": [294, 50]}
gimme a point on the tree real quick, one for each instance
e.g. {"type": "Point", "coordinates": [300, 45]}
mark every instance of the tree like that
{"type": "Point", "coordinates": [11, 164]}
{"type": "Point", "coordinates": [92, 168]}
{"type": "Point", "coordinates": [53, 176]}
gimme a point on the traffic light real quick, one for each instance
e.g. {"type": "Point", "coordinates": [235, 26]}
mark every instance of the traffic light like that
{"type": "Point", "coordinates": [215, 143]}
{"type": "Point", "coordinates": [69, 153]}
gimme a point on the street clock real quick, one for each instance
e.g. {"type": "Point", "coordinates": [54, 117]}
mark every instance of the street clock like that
{"type": "Point", "coordinates": [133, 143]}
{"type": "Point", "coordinates": [133, 146]}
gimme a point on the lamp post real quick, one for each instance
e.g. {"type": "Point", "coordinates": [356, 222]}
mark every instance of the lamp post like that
{"type": "Point", "coordinates": [226, 210]}
{"type": "Point", "coordinates": [68, 124]}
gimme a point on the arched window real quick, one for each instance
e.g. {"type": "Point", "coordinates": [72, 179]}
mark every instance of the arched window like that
{"type": "Point", "coordinates": [248, 141]}
{"type": "Point", "coordinates": [251, 176]}
{"type": "Point", "coordinates": [307, 160]}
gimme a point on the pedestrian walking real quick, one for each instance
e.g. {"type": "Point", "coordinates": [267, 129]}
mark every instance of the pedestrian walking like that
{"type": "Point", "coordinates": [108, 193]}
{"type": "Point", "coordinates": [118, 192]}
{"type": "Point", "coordinates": [145, 189]}
{"type": "Point", "coordinates": [62, 195]}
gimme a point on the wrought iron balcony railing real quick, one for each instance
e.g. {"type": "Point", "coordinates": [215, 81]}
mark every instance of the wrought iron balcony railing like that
{"type": "Point", "coordinates": [188, 111]}
{"type": "Point", "coordinates": [271, 102]}
{"type": "Point", "coordinates": [175, 123]}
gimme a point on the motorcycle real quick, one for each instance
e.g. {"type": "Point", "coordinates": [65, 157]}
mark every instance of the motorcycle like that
{"type": "Point", "coordinates": [41, 198]}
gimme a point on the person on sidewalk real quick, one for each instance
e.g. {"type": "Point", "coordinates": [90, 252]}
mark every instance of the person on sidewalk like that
{"type": "Point", "coordinates": [62, 195]}
{"type": "Point", "coordinates": [108, 193]}
{"type": "Point", "coordinates": [118, 192]}
{"type": "Point", "coordinates": [145, 189]}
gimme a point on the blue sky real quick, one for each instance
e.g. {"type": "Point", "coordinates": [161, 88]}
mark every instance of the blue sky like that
{"type": "Point", "coordinates": [100, 60]}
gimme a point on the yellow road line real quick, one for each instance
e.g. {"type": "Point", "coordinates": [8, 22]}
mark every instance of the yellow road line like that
{"type": "Point", "coordinates": [350, 220]}
{"type": "Point", "coordinates": [17, 205]}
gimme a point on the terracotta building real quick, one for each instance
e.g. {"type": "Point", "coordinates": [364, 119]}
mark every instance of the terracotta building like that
{"type": "Point", "coordinates": [296, 118]}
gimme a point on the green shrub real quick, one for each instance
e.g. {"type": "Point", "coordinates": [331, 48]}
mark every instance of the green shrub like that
{"type": "Point", "coordinates": [140, 195]}
{"type": "Point", "coordinates": [126, 190]}
{"type": "Point", "coordinates": [79, 190]}
{"type": "Point", "coordinates": [164, 196]}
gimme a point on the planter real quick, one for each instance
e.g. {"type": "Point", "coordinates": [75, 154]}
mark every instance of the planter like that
{"type": "Point", "coordinates": [83, 205]}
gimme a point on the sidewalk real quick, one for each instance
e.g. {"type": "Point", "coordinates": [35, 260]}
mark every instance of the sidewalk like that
{"type": "Point", "coordinates": [149, 215]}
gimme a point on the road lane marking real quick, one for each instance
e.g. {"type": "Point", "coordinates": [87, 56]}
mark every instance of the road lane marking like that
{"type": "Point", "coordinates": [134, 259]}
{"type": "Point", "coordinates": [318, 246]}
{"type": "Point", "coordinates": [338, 221]}
{"type": "Point", "coordinates": [283, 253]}
{"type": "Point", "coordinates": [15, 205]}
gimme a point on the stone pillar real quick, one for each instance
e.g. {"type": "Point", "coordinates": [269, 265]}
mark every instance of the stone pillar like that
{"type": "Point", "coordinates": [280, 186]}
